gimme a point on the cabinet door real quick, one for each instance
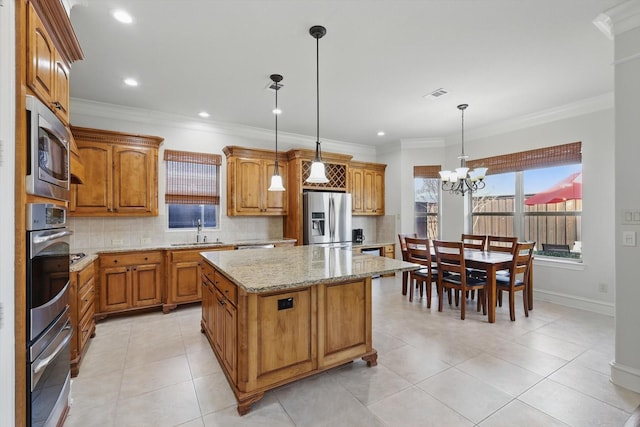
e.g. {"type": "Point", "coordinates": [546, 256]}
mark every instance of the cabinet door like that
{"type": "Point", "coordinates": [276, 202]}
{"type": "Point", "coordinates": [379, 193]}
{"type": "Point", "coordinates": [115, 288]}
{"type": "Point", "coordinates": [344, 323]}
{"type": "Point", "coordinates": [134, 180]}
{"type": "Point", "coordinates": [207, 306]}
{"type": "Point", "coordinates": [357, 190]}
{"type": "Point", "coordinates": [229, 340]}
{"type": "Point", "coordinates": [61, 89]}
{"type": "Point", "coordinates": [248, 186]}
{"type": "Point", "coordinates": [218, 317]}
{"type": "Point", "coordinates": [369, 196]}
{"type": "Point", "coordinates": [95, 195]}
{"type": "Point", "coordinates": [185, 285]}
{"type": "Point", "coordinates": [41, 58]}
{"type": "Point", "coordinates": [146, 285]}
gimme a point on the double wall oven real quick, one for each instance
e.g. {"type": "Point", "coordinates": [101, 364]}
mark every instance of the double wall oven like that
{"type": "Point", "coordinates": [49, 330]}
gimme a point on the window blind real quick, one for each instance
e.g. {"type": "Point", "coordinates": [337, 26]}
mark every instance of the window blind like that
{"type": "Point", "coordinates": [192, 178]}
{"type": "Point", "coordinates": [426, 171]}
{"type": "Point", "coordinates": [558, 155]}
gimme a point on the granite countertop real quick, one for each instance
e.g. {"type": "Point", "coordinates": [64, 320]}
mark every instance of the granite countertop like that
{"type": "Point", "coordinates": [368, 245]}
{"type": "Point", "coordinates": [263, 270]}
{"type": "Point", "coordinates": [92, 254]}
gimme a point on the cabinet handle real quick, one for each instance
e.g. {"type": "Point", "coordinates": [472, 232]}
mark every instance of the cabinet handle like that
{"type": "Point", "coordinates": [145, 258]}
{"type": "Point", "coordinates": [128, 269]}
{"type": "Point", "coordinates": [57, 105]}
{"type": "Point", "coordinates": [135, 268]}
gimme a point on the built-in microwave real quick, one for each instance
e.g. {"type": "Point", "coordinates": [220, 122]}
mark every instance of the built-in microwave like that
{"type": "Point", "coordinates": [48, 152]}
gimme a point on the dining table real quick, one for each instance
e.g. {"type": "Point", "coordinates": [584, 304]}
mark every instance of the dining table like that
{"type": "Point", "coordinates": [492, 262]}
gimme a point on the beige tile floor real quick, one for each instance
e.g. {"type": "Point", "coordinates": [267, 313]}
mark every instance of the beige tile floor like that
{"type": "Point", "coordinates": [551, 369]}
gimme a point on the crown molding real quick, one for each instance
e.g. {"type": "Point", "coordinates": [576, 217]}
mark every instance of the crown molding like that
{"type": "Point", "coordinates": [83, 107]}
{"type": "Point", "coordinates": [618, 19]}
{"type": "Point", "coordinates": [562, 112]}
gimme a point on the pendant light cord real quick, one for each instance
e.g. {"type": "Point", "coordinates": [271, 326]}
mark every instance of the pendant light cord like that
{"type": "Point", "coordinates": [277, 167]}
{"type": "Point", "coordinates": [317, 99]}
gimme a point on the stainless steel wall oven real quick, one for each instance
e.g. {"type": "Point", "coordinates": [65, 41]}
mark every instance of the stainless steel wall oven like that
{"type": "Point", "coordinates": [49, 329]}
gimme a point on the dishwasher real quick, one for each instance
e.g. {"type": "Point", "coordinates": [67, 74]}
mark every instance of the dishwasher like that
{"type": "Point", "coordinates": [372, 251]}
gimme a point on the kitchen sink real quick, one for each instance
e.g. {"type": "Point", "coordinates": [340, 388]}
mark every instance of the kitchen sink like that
{"type": "Point", "coordinates": [198, 244]}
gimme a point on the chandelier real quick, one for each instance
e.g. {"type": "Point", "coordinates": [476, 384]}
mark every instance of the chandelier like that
{"type": "Point", "coordinates": [462, 180]}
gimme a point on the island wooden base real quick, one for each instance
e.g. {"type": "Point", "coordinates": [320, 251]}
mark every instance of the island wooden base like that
{"type": "Point", "coordinates": [245, 400]}
{"type": "Point", "coordinates": [269, 339]}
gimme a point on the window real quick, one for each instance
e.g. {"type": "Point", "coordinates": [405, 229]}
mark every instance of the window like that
{"type": "Point", "coordinates": [426, 201]}
{"type": "Point", "coordinates": [535, 195]}
{"type": "Point", "coordinates": [193, 189]}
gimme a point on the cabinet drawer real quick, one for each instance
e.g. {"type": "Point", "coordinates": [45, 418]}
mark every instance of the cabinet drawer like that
{"type": "Point", "coordinates": [112, 260]}
{"type": "Point", "coordinates": [86, 297]}
{"type": "Point", "coordinates": [84, 275]}
{"type": "Point", "coordinates": [85, 328]}
{"type": "Point", "coordinates": [182, 256]}
{"type": "Point", "coordinates": [208, 272]}
{"type": "Point", "coordinates": [227, 288]}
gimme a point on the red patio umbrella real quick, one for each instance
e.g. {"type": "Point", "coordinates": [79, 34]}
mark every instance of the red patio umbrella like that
{"type": "Point", "coordinates": [569, 188]}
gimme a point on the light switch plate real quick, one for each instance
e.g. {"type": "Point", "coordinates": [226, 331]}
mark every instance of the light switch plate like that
{"type": "Point", "coordinates": [628, 238]}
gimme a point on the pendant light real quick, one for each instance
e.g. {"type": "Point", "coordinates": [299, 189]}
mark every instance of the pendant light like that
{"type": "Point", "coordinates": [276, 179]}
{"type": "Point", "coordinates": [317, 175]}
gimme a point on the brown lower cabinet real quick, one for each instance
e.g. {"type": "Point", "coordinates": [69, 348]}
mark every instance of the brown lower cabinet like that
{"type": "Point", "coordinates": [184, 283]}
{"type": "Point", "coordinates": [82, 307]}
{"type": "Point", "coordinates": [129, 281]}
{"type": "Point", "coordinates": [268, 339]}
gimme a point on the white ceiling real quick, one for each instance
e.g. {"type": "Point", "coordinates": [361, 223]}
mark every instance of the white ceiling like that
{"type": "Point", "coordinates": [505, 58]}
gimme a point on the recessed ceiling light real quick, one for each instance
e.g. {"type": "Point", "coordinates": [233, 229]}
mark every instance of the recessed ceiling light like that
{"type": "Point", "coordinates": [276, 111]}
{"type": "Point", "coordinates": [380, 133]}
{"type": "Point", "coordinates": [122, 16]}
{"type": "Point", "coordinates": [130, 82]}
{"type": "Point", "coordinates": [203, 114]}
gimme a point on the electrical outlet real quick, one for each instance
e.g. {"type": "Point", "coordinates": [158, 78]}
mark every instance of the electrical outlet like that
{"type": "Point", "coordinates": [145, 241]}
{"type": "Point", "coordinates": [603, 287]}
{"type": "Point", "coordinates": [117, 242]}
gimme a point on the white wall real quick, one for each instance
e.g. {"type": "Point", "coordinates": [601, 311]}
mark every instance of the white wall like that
{"type": "Point", "coordinates": [625, 370]}
{"type": "Point", "coordinates": [7, 218]}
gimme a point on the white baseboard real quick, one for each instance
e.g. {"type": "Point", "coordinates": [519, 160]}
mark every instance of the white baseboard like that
{"type": "Point", "coordinates": [575, 302]}
{"type": "Point", "coordinates": [625, 376]}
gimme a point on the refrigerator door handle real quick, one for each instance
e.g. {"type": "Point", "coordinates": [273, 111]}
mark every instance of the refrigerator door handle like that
{"type": "Point", "coordinates": [332, 219]}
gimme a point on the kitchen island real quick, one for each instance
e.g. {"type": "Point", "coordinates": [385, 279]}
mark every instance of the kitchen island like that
{"type": "Point", "coordinates": [273, 316]}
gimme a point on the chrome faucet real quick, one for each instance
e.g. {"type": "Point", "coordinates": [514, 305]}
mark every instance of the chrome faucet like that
{"type": "Point", "coordinates": [198, 234]}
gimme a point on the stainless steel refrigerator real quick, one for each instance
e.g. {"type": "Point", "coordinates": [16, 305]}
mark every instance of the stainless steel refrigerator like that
{"type": "Point", "coordinates": [327, 218]}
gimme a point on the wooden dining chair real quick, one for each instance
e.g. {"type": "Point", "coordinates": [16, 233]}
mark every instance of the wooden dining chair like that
{"type": "Point", "coordinates": [419, 252]}
{"type": "Point", "coordinates": [452, 275]}
{"type": "Point", "coordinates": [517, 279]}
{"type": "Point", "coordinates": [403, 251]}
{"type": "Point", "coordinates": [502, 244]}
{"type": "Point", "coordinates": [477, 242]}
{"type": "Point", "coordinates": [474, 241]}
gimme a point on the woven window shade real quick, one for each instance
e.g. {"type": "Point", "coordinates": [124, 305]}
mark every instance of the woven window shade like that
{"type": "Point", "coordinates": [192, 178]}
{"type": "Point", "coordinates": [558, 155]}
{"type": "Point", "coordinates": [426, 171]}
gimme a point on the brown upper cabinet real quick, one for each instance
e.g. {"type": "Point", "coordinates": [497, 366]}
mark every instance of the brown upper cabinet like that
{"type": "Point", "coordinates": [249, 174]}
{"type": "Point", "coordinates": [121, 174]}
{"type": "Point", "coordinates": [47, 68]}
{"type": "Point", "coordinates": [367, 188]}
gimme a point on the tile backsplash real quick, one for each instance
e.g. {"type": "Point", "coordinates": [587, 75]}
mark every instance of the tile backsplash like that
{"type": "Point", "coordinates": [90, 234]}
{"type": "Point", "coordinates": [102, 233]}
